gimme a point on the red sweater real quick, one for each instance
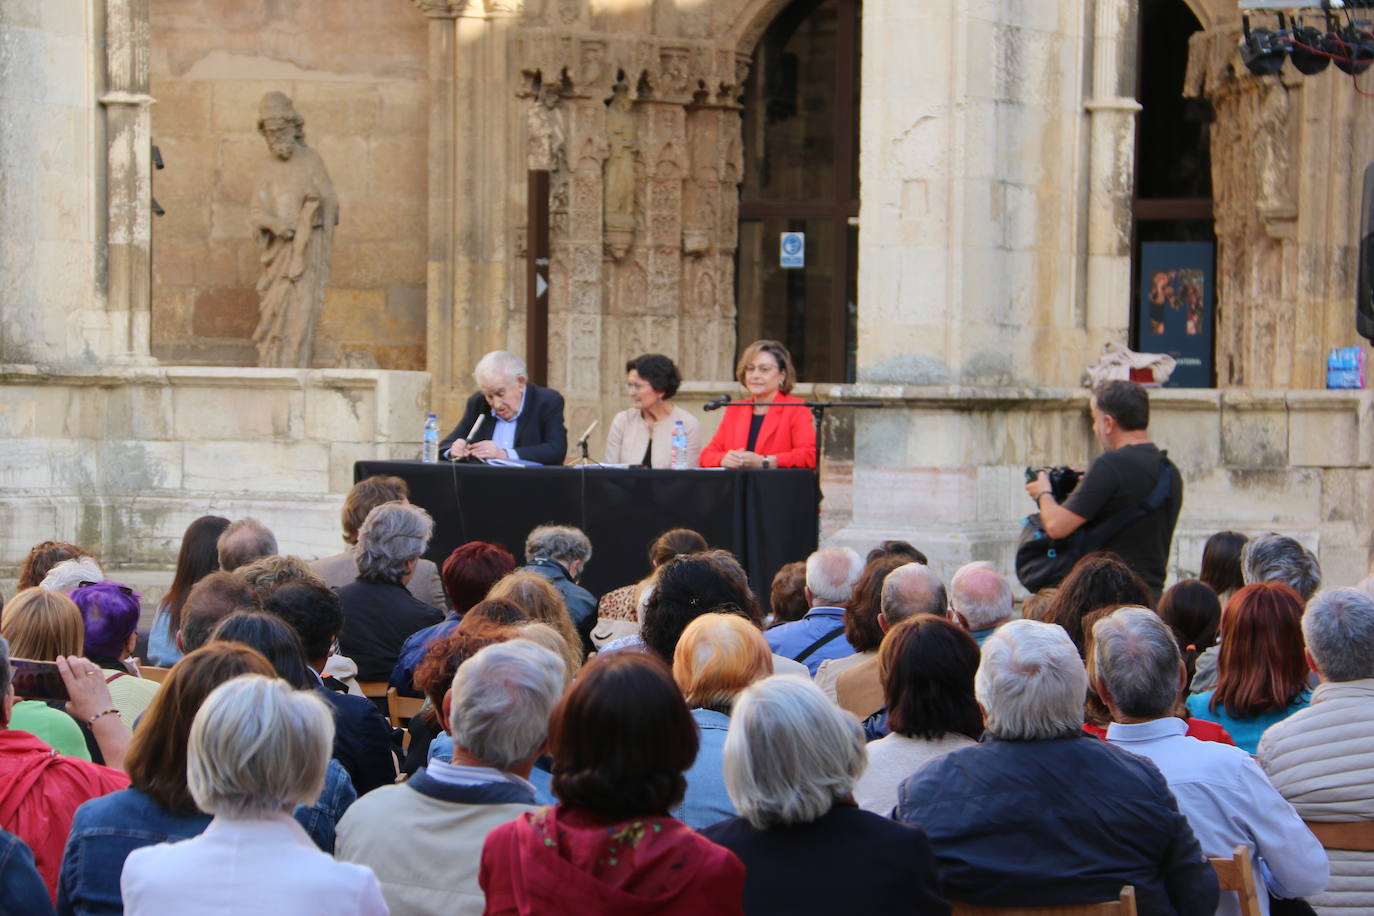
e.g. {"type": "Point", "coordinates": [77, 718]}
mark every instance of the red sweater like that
{"type": "Point", "coordinates": [40, 790]}
{"type": "Point", "coordinates": [786, 433]}
{"type": "Point", "coordinates": [564, 861]}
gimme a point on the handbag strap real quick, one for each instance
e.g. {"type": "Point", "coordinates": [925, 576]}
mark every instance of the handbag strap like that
{"type": "Point", "coordinates": [1164, 487]}
{"type": "Point", "coordinates": [811, 649]}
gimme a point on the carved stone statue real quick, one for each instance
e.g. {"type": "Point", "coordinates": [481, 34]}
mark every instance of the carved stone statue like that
{"type": "Point", "coordinates": [294, 212]}
{"type": "Point", "coordinates": [619, 189]}
{"type": "Point", "coordinates": [546, 138]}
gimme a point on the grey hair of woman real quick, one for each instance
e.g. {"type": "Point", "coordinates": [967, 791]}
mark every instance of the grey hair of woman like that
{"type": "Point", "coordinates": [501, 701]}
{"type": "Point", "coordinates": [1338, 627]}
{"type": "Point", "coordinates": [563, 543]}
{"type": "Point", "coordinates": [392, 535]}
{"type": "Point", "coordinates": [1274, 557]}
{"type": "Point", "coordinates": [1031, 682]}
{"type": "Point", "coordinates": [791, 753]}
{"type": "Point", "coordinates": [257, 748]}
{"type": "Point", "coordinates": [68, 574]}
{"type": "Point", "coordinates": [1135, 656]}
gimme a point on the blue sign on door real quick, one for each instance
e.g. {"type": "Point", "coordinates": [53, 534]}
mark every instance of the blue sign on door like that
{"type": "Point", "coordinates": [792, 249]}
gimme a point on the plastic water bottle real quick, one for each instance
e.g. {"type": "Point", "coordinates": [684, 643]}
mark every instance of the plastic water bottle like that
{"type": "Point", "coordinates": [431, 452]}
{"type": "Point", "coordinates": [679, 462]}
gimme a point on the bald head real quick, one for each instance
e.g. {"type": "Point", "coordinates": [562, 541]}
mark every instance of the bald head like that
{"type": "Point", "coordinates": [910, 590]}
{"type": "Point", "coordinates": [831, 574]}
{"type": "Point", "coordinates": [980, 596]}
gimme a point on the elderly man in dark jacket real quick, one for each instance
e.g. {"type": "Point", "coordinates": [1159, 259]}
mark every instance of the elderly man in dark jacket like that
{"type": "Point", "coordinates": [560, 553]}
{"type": "Point", "coordinates": [1041, 814]}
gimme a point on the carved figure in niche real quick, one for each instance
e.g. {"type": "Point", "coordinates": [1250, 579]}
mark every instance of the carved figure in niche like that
{"type": "Point", "coordinates": [619, 181]}
{"type": "Point", "coordinates": [546, 137]}
{"type": "Point", "coordinates": [293, 212]}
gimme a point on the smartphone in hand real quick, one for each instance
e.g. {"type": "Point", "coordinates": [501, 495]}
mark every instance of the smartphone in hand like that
{"type": "Point", "coordinates": [34, 680]}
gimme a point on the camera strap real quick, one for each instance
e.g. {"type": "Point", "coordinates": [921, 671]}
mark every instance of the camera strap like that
{"type": "Point", "coordinates": [811, 649]}
{"type": "Point", "coordinates": [1164, 487]}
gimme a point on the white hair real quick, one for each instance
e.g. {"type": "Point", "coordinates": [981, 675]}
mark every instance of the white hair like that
{"type": "Point", "coordinates": [831, 574]}
{"type": "Point", "coordinates": [980, 594]}
{"type": "Point", "coordinates": [501, 701]}
{"type": "Point", "coordinates": [1338, 627]}
{"type": "Point", "coordinates": [392, 535]}
{"type": "Point", "coordinates": [1135, 655]}
{"type": "Point", "coordinates": [1031, 682]}
{"type": "Point", "coordinates": [68, 574]}
{"type": "Point", "coordinates": [912, 589]}
{"type": "Point", "coordinates": [563, 543]}
{"type": "Point", "coordinates": [1274, 557]}
{"type": "Point", "coordinates": [790, 753]}
{"type": "Point", "coordinates": [499, 366]}
{"type": "Point", "coordinates": [258, 747]}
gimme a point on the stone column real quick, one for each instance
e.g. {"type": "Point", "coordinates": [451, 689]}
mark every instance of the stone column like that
{"type": "Point", "coordinates": [1112, 110]}
{"type": "Point", "coordinates": [128, 133]}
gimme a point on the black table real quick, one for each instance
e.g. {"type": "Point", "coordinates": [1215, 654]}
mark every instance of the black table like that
{"type": "Point", "coordinates": [766, 518]}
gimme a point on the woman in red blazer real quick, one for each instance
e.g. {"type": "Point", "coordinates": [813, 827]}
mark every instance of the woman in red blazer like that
{"type": "Point", "coordinates": [758, 437]}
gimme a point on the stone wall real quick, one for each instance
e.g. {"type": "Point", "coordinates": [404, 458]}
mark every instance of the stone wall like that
{"type": "Point", "coordinates": [356, 70]}
{"type": "Point", "coordinates": [944, 468]}
{"type": "Point", "coordinates": [51, 277]}
{"type": "Point", "coordinates": [121, 460]}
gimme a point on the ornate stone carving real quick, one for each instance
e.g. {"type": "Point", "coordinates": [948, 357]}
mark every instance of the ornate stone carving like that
{"type": "Point", "coordinates": [442, 9]}
{"type": "Point", "coordinates": [674, 71]}
{"type": "Point", "coordinates": [293, 214]}
{"type": "Point", "coordinates": [546, 138]}
{"type": "Point", "coordinates": [620, 179]}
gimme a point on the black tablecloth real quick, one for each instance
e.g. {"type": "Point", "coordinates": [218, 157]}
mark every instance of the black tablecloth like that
{"type": "Point", "coordinates": [766, 518]}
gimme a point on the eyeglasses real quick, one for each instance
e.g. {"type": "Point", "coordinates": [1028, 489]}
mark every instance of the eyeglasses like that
{"type": "Point", "coordinates": [123, 588]}
{"type": "Point", "coordinates": [637, 386]}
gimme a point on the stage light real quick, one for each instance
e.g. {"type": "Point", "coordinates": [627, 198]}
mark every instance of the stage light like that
{"type": "Point", "coordinates": [1262, 51]}
{"type": "Point", "coordinates": [1309, 59]}
{"type": "Point", "coordinates": [1356, 50]}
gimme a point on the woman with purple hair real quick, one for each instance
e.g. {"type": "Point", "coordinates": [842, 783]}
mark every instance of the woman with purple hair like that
{"type": "Point", "coordinates": [110, 612]}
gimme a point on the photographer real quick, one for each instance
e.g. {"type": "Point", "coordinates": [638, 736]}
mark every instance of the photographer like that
{"type": "Point", "coordinates": [1121, 478]}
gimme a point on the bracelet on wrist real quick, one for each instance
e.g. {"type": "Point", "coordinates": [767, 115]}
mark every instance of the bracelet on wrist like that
{"type": "Point", "coordinates": [91, 720]}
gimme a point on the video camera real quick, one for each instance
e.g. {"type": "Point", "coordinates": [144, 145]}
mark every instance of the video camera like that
{"type": "Point", "coordinates": [1062, 480]}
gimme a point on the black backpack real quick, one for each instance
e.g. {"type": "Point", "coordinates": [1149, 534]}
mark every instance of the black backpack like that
{"type": "Point", "coordinates": [1043, 561]}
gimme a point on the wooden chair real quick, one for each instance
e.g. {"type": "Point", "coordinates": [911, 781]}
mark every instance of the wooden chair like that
{"type": "Point", "coordinates": [1357, 836]}
{"type": "Point", "coordinates": [1238, 874]}
{"type": "Point", "coordinates": [401, 710]}
{"type": "Point", "coordinates": [150, 673]}
{"type": "Point", "coordinates": [373, 690]}
{"type": "Point", "coordinates": [1124, 905]}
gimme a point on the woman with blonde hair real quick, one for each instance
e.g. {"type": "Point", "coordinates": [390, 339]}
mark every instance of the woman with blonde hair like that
{"type": "Point", "coordinates": [717, 656]}
{"type": "Point", "coordinates": [755, 436]}
{"type": "Point", "coordinates": [538, 598]}
{"type": "Point", "coordinates": [43, 626]}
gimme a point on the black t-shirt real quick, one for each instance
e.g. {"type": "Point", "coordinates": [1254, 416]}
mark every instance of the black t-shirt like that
{"type": "Point", "coordinates": [755, 424]}
{"type": "Point", "coordinates": [1119, 480]}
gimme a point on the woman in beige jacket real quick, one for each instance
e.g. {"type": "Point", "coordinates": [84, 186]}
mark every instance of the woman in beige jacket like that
{"type": "Point", "coordinates": [643, 435]}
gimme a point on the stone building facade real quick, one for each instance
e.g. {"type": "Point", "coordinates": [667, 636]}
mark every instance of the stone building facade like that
{"type": "Point", "coordinates": [996, 150]}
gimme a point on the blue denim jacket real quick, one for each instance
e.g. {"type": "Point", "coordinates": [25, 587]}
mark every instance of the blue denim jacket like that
{"type": "Point", "coordinates": [106, 829]}
{"type": "Point", "coordinates": [706, 802]}
{"type": "Point", "coordinates": [22, 892]}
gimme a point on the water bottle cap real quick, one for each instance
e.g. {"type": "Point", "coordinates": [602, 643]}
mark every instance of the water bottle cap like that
{"type": "Point", "coordinates": [433, 416]}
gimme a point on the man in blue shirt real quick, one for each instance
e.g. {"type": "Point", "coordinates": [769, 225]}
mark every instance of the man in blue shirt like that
{"type": "Point", "coordinates": [509, 417]}
{"type": "Point", "coordinates": [830, 578]}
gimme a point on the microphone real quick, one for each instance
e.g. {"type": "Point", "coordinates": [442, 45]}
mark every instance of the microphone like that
{"type": "Point", "coordinates": [583, 441]}
{"type": "Point", "coordinates": [717, 403]}
{"type": "Point", "coordinates": [477, 424]}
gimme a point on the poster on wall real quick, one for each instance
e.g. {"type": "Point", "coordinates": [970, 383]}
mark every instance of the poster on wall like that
{"type": "Point", "coordinates": [1177, 297]}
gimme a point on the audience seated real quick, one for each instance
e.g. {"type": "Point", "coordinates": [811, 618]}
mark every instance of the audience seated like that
{"type": "Point", "coordinates": [623, 603]}
{"type": "Point", "coordinates": [43, 626]}
{"type": "Point", "coordinates": [1261, 671]}
{"type": "Point", "coordinates": [1221, 569]}
{"type": "Point", "coordinates": [342, 568]}
{"type": "Point", "coordinates": [70, 574]}
{"type": "Point", "coordinates": [979, 599]}
{"type": "Point", "coordinates": [909, 590]}
{"type": "Point", "coordinates": [560, 553]}
{"type": "Point", "coordinates": [434, 677]}
{"type": "Point", "coordinates": [1042, 814]}
{"type": "Point", "coordinates": [157, 807]}
{"type": "Point", "coordinates": [266, 574]}
{"type": "Point", "coordinates": [34, 568]}
{"type": "Point", "coordinates": [787, 594]}
{"type": "Point", "coordinates": [21, 886]}
{"type": "Point", "coordinates": [379, 614]}
{"type": "Point", "coordinates": [1319, 757]}
{"type": "Point", "coordinates": [41, 789]}
{"type": "Point", "coordinates": [1193, 613]}
{"type": "Point", "coordinates": [537, 597]}
{"type": "Point", "coordinates": [362, 737]}
{"type": "Point", "coordinates": [791, 761]}
{"type": "Point", "coordinates": [1226, 798]}
{"type": "Point", "coordinates": [281, 647]}
{"type": "Point", "coordinates": [244, 541]}
{"type": "Point", "coordinates": [717, 656]}
{"type": "Point", "coordinates": [1096, 581]}
{"type": "Point", "coordinates": [893, 548]}
{"type": "Point", "coordinates": [861, 626]}
{"type": "Point", "coordinates": [498, 713]}
{"type": "Point", "coordinates": [198, 557]}
{"type": "Point", "coordinates": [109, 614]}
{"type": "Point", "coordinates": [468, 575]}
{"type": "Point", "coordinates": [926, 666]}
{"type": "Point", "coordinates": [257, 747]}
{"type": "Point", "coordinates": [1269, 557]}
{"type": "Point", "coordinates": [212, 599]}
{"type": "Point", "coordinates": [831, 575]}
{"type": "Point", "coordinates": [621, 738]}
